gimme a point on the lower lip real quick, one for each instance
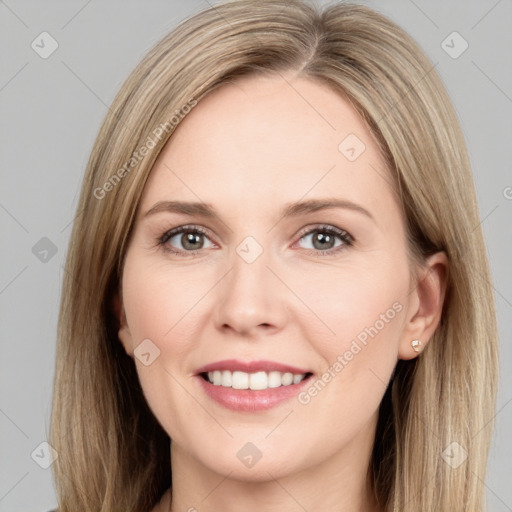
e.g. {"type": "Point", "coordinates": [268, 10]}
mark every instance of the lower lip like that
{"type": "Point", "coordinates": [248, 400]}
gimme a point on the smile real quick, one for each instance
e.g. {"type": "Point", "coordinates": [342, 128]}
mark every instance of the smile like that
{"type": "Point", "coordinates": [253, 386]}
{"type": "Point", "coordinates": [254, 381]}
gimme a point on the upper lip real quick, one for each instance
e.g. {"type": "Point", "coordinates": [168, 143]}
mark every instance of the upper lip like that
{"type": "Point", "coordinates": [234, 365]}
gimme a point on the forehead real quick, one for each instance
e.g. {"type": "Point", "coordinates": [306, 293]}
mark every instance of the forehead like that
{"type": "Point", "coordinates": [275, 139]}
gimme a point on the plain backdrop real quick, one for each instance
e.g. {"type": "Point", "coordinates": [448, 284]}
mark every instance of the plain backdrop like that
{"type": "Point", "coordinates": [51, 110]}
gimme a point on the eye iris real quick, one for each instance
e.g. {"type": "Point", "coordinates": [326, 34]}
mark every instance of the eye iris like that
{"type": "Point", "coordinates": [189, 239]}
{"type": "Point", "coordinates": [326, 241]}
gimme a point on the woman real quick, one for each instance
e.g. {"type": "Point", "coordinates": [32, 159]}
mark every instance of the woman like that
{"type": "Point", "coordinates": [276, 293]}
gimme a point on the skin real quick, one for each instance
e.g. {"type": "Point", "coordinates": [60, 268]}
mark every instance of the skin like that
{"type": "Point", "coordinates": [248, 149]}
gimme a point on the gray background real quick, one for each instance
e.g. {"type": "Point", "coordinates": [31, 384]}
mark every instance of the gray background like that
{"type": "Point", "coordinates": [51, 110]}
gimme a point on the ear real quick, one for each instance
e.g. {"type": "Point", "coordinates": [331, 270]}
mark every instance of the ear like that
{"type": "Point", "coordinates": [124, 334]}
{"type": "Point", "coordinates": [425, 305]}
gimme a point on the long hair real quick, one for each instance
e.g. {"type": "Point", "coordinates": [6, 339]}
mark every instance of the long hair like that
{"type": "Point", "coordinates": [113, 455]}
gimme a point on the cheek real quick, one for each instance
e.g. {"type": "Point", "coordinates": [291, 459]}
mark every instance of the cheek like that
{"type": "Point", "coordinates": [159, 307]}
{"type": "Point", "coordinates": [362, 302]}
{"type": "Point", "coordinates": [167, 306]}
{"type": "Point", "coordinates": [362, 313]}
{"type": "Point", "coordinates": [161, 303]}
{"type": "Point", "coordinates": [359, 358]}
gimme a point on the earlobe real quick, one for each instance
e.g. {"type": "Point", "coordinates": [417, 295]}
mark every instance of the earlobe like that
{"type": "Point", "coordinates": [426, 306]}
{"type": "Point", "coordinates": [123, 333]}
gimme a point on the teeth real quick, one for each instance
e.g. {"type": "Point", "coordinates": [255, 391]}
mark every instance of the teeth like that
{"type": "Point", "coordinates": [226, 379]}
{"type": "Point", "coordinates": [274, 379]}
{"type": "Point", "coordinates": [287, 379]}
{"type": "Point", "coordinates": [297, 378]}
{"type": "Point", "coordinates": [255, 381]}
{"type": "Point", "coordinates": [258, 380]}
{"type": "Point", "coordinates": [240, 380]}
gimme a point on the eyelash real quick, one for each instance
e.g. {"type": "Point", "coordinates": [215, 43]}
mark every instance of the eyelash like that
{"type": "Point", "coordinates": [345, 237]}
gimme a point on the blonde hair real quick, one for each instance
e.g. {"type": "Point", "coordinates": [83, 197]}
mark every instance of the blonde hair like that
{"type": "Point", "coordinates": [113, 453]}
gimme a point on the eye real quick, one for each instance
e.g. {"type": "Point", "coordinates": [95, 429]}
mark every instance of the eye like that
{"type": "Point", "coordinates": [325, 240]}
{"type": "Point", "coordinates": [185, 240]}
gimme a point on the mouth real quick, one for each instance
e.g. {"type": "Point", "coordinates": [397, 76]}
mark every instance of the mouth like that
{"type": "Point", "coordinates": [251, 386]}
{"type": "Point", "coordinates": [255, 381]}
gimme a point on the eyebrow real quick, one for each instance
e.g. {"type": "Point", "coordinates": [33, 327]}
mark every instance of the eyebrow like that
{"type": "Point", "coordinates": [289, 210]}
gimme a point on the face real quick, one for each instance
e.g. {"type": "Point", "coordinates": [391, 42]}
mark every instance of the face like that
{"type": "Point", "coordinates": [264, 279]}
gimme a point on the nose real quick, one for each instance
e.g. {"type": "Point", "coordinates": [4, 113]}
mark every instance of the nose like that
{"type": "Point", "coordinates": [251, 300]}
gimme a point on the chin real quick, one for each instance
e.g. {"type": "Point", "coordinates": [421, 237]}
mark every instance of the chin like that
{"type": "Point", "coordinates": [267, 468]}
